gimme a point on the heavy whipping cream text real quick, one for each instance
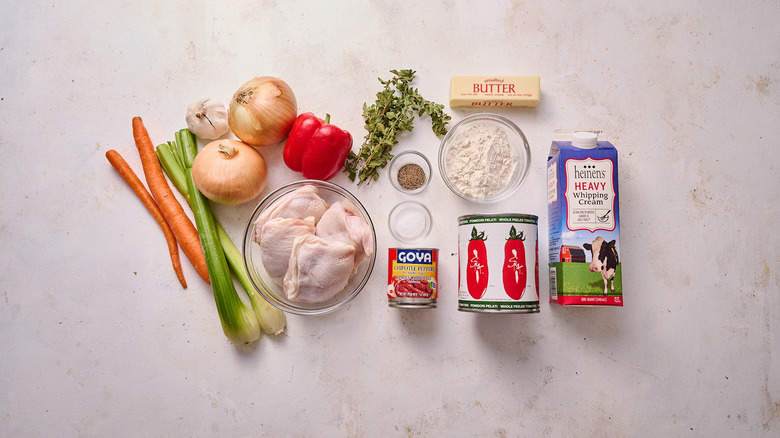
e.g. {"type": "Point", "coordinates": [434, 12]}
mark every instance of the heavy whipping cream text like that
{"type": "Point", "coordinates": [590, 194]}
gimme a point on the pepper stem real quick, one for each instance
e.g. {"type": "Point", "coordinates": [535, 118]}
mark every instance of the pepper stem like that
{"type": "Point", "coordinates": [327, 119]}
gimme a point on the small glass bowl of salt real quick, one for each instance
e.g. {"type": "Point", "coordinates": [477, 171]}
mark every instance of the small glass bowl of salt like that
{"type": "Point", "coordinates": [410, 222]}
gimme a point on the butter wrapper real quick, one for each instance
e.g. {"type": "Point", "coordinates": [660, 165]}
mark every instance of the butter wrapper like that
{"type": "Point", "coordinates": [494, 91]}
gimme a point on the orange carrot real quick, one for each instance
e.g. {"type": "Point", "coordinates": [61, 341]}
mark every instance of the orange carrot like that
{"type": "Point", "coordinates": [181, 225]}
{"type": "Point", "coordinates": [132, 180]}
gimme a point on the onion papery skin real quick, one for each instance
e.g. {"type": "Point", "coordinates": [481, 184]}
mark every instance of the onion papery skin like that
{"type": "Point", "coordinates": [262, 111]}
{"type": "Point", "coordinates": [229, 172]}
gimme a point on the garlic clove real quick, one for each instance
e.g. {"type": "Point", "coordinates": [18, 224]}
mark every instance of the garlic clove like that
{"type": "Point", "coordinates": [207, 118]}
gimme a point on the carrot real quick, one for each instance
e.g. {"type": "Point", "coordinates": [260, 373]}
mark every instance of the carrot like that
{"type": "Point", "coordinates": [181, 225]}
{"type": "Point", "coordinates": [132, 180]}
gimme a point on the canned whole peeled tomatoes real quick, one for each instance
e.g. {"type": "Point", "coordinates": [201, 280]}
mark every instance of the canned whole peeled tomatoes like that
{"type": "Point", "coordinates": [498, 256]}
{"type": "Point", "coordinates": [412, 278]}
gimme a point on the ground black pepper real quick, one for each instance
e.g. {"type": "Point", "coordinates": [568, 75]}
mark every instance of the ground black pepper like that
{"type": "Point", "coordinates": [411, 176]}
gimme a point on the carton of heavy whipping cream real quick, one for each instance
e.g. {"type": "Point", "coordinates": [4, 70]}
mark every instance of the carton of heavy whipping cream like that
{"type": "Point", "coordinates": [584, 221]}
{"type": "Point", "coordinates": [494, 91]}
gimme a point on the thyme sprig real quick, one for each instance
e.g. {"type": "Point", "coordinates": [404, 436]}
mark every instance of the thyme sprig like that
{"type": "Point", "coordinates": [393, 112]}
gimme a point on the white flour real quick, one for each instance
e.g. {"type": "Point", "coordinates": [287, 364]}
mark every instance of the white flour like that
{"type": "Point", "coordinates": [480, 162]}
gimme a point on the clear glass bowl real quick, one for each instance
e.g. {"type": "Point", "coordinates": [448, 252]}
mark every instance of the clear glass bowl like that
{"type": "Point", "coordinates": [410, 222]}
{"type": "Point", "coordinates": [404, 158]}
{"type": "Point", "coordinates": [273, 292]}
{"type": "Point", "coordinates": [517, 141]}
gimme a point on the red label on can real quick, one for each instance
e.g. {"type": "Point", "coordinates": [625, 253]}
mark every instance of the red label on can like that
{"type": "Point", "coordinates": [412, 276]}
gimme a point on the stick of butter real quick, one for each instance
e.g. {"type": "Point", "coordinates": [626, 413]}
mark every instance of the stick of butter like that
{"type": "Point", "coordinates": [494, 91]}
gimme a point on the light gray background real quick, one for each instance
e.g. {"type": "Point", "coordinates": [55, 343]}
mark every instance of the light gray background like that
{"type": "Point", "coordinates": [98, 339]}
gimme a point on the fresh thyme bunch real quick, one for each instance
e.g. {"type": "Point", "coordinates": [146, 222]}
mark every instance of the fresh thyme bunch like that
{"type": "Point", "coordinates": [392, 113]}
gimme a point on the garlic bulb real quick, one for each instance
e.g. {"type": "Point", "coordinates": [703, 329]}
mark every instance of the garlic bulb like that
{"type": "Point", "coordinates": [207, 119]}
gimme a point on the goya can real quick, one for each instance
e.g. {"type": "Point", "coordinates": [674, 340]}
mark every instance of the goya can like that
{"type": "Point", "coordinates": [498, 256]}
{"type": "Point", "coordinates": [412, 277]}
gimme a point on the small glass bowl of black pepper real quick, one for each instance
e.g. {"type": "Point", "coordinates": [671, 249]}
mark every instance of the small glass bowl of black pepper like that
{"type": "Point", "coordinates": [410, 172]}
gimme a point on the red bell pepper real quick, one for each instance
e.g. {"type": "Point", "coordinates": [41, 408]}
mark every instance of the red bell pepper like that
{"type": "Point", "coordinates": [316, 148]}
{"type": "Point", "coordinates": [515, 270]}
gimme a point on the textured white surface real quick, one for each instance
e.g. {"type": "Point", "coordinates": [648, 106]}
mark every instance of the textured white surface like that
{"type": "Point", "coordinates": [98, 339]}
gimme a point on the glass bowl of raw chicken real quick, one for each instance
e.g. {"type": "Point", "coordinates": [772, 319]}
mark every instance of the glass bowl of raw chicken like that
{"type": "Point", "coordinates": [309, 247]}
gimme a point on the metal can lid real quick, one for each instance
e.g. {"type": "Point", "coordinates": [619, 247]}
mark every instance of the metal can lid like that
{"type": "Point", "coordinates": [499, 217]}
{"type": "Point", "coordinates": [417, 249]}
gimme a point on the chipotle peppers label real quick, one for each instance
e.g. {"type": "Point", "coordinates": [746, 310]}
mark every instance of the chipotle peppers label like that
{"type": "Point", "coordinates": [412, 273]}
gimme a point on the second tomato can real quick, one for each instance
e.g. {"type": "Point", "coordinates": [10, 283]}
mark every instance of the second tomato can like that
{"type": "Point", "coordinates": [498, 258]}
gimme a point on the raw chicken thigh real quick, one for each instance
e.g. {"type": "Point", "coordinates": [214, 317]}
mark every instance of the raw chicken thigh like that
{"type": "Point", "coordinates": [299, 204]}
{"type": "Point", "coordinates": [312, 249]}
{"type": "Point", "coordinates": [276, 238]}
{"type": "Point", "coordinates": [318, 269]}
{"type": "Point", "coordinates": [342, 222]}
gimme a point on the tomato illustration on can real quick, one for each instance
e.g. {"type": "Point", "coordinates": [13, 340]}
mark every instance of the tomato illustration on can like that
{"type": "Point", "coordinates": [477, 270]}
{"type": "Point", "coordinates": [536, 276]}
{"type": "Point", "coordinates": [515, 272]}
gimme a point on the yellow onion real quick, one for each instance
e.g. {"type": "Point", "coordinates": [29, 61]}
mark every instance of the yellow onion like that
{"type": "Point", "coordinates": [229, 172]}
{"type": "Point", "coordinates": [262, 111]}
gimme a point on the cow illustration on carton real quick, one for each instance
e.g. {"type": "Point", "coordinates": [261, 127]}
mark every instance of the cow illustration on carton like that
{"type": "Point", "coordinates": [605, 260]}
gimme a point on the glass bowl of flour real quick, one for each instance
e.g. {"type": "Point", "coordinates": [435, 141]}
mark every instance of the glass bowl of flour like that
{"type": "Point", "coordinates": [484, 158]}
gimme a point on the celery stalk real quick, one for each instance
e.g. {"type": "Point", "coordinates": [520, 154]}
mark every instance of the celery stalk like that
{"type": "Point", "coordinates": [272, 320]}
{"type": "Point", "coordinates": [173, 168]}
{"type": "Point", "coordinates": [239, 322]}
